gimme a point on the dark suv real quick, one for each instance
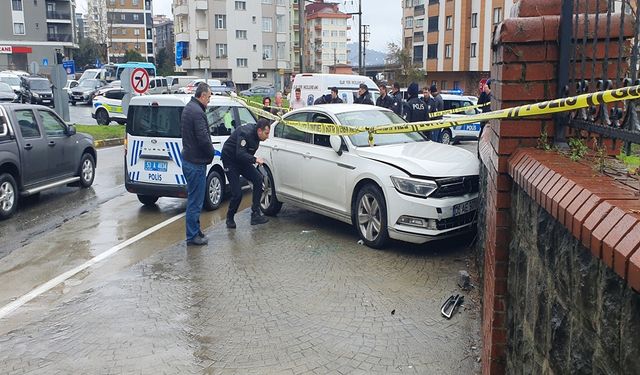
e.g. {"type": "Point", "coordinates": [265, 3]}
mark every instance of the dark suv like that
{"type": "Point", "coordinates": [36, 90]}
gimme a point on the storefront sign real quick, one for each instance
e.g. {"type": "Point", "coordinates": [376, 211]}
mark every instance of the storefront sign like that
{"type": "Point", "coordinates": [6, 49]}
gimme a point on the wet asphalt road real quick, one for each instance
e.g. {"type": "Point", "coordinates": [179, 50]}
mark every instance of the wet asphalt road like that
{"type": "Point", "coordinates": [81, 114]}
{"type": "Point", "coordinates": [297, 295]}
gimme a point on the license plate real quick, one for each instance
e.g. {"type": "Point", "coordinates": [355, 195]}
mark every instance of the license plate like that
{"type": "Point", "coordinates": [77, 97]}
{"type": "Point", "coordinates": [155, 166]}
{"type": "Point", "coordinates": [466, 207]}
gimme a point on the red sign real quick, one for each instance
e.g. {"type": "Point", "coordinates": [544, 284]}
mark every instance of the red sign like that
{"type": "Point", "coordinates": [6, 49]}
{"type": "Point", "coordinates": [140, 80]}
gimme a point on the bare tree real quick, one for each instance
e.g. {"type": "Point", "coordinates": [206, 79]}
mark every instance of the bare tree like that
{"type": "Point", "coordinates": [409, 71]}
{"type": "Point", "coordinates": [101, 17]}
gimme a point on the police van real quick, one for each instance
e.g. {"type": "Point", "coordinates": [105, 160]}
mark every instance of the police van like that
{"type": "Point", "coordinates": [465, 132]}
{"type": "Point", "coordinates": [314, 85]}
{"type": "Point", "coordinates": [153, 146]}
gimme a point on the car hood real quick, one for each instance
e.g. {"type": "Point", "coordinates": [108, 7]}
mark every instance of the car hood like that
{"type": "Point", "coordinates": [7, 95]}
{"type": "Point", "coordinates": [426, 159]}
{"type": "Point", "coordinates": [42, 91]}
{"type": "Point", "coordinates": [83, 91]}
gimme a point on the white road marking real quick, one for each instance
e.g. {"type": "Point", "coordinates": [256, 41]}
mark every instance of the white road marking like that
{"type": "Point", "coordinates": [11, 307]}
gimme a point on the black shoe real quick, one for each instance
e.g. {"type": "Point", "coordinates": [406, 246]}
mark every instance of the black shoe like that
{"type": "Point", "coordinates": [257, 219]}
{"type": "Point", "coordinates": [202, 235]}
{"type": "Point", "coordinates": [231, 224]}
{"type": "Point", "coordinates": [197, 241]}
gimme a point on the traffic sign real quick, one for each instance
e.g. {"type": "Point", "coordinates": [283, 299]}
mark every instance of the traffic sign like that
{"type": "Point", "coordinates": [140, 80]}
{"type": "Point", "coordinates": [69, 67]}
{"type": "Point", "coordinates": [45, 62]}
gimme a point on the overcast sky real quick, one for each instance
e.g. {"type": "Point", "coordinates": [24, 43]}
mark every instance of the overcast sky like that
{"type": "Point", "coordinates": [384, 16]}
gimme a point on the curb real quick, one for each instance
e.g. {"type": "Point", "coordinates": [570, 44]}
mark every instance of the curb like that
{"type": "Point", "coordinates": [108, 142]}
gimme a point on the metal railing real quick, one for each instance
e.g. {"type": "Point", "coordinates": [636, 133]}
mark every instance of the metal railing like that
{"type": "Point", "coordinates": [59, 37]}
{"type": "Point", "coordinates": [598, 50]}
{"type": "Point", "coordinates": [57, 15]}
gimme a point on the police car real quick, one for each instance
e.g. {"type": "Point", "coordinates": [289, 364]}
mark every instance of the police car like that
{"type": "Point", "coordinates": [153, 146]}
{"type": "Point", "coordinates": [462, 132]}
{"type": "Point", "coordinates": [107, 107]}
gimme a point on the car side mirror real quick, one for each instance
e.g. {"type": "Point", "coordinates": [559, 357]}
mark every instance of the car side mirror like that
{"type": "Point", "coordinates": [336, 144]}
{"type": "Point", "coordinates": [71, 130]}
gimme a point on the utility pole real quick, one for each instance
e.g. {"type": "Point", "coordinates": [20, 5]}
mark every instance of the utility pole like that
{"type": "Point", "coordinates": [359, 13]}
{"type": "Point", "coordinates": [366, 34]}
{"type": "Point", "coordinates": [301, 33]}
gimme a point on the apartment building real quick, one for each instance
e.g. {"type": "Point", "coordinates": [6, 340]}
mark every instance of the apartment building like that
{"type": "Point", "coordinates": [163, 34]}
{"type": "Point", "coordinates": [326, 32]}
{"type": "Point", "coordinates": [122, 25]}
{"type": "Point", "coordinates": [37, 30]}
{"type": "Point", "coordinates": [82, 29]}
{"type": "Point", "coordinates": [246, 41]}
{"type": "Point", "coordinates": [451, 39]}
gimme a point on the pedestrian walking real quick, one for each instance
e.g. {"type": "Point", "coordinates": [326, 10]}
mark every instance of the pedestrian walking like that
{"type": "Point", "coordinates": [197, 153]}
{"type": "Point", "coordinates": [384, 100]}
{"type": "Point", "coordinates": [238, 160]}
{"type": "Point", "coordinates": [364, 97]}
{"type": "Point", "coordinates": [297, 102]}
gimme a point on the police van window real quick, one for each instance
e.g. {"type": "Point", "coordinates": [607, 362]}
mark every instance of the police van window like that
{"type": "Point", "coordinates": [27, 123]}
{"type": "Point", "coordinates": [321, 139]}
{"type": "Point", "coordinates": [469, 111]}
{"type": "Point", "coordinates": [289, 132]}
{"type": "Point", "coordinates": [152, 84]}
{"type": "Point", "coordinates": [148, 121]}
{"type": "Point", "coordinates": [245, 116]}
{"type": "Point", "coordinates": [52, 126]}
{"type": "Point", "coordinates": [115, 94]}
{"type": "Point", "coordinates": [220, 120]}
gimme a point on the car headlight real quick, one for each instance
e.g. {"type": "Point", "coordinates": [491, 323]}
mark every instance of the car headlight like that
{"type": "Point", "coordinates": [415, 187]}
{"type": "Point", "coordinates": [35, 95]}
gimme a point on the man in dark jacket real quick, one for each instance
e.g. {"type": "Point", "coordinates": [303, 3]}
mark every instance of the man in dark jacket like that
{"type": "Point", "coordinates": [329, 98]}
{"type": "Point", "coordinates": [238, 159]}
{"type": "Point", "coordinates": [417, 109]}
{"type": "Point", "coordinates": [398, 100]}
{"type": "Point", "coordinates": [364, 97]}
{"type": "Point", "coordinates": [384, 100]}
{"type": "Point", "coordinates": [197, 153]}
{"type": "Point", "coordinates": [485, 98]}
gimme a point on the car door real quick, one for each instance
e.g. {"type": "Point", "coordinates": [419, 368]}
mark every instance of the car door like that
{"type": "Point", "coordinates": [323, 175]}
{"type": "Point", "coordinates": [287, 155]}
{"type": "Point", "coordinates": [34, 149]}
{"type": "Point", "coordinates": [61, 148]}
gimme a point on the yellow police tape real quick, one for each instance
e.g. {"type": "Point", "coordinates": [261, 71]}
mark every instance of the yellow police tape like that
{"type": "Point", "coordinates": [543, 108]}
{"type": "Point", "coordinates": [456, 110]}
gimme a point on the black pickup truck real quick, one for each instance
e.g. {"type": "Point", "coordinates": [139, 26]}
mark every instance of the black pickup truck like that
{"type": "Point", "coordinates": [39, 151]}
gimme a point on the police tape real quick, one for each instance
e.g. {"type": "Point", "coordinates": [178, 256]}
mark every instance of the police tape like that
{"type": "Point", "coordinates": [456, 110]}
{"type": "Point", "coordinates": [543, 108]}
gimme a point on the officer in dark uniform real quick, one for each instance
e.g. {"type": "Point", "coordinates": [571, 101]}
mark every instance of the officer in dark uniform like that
{"type": "Point", "coordinates": [238, 159]}
{"type": "Point", "coordinates": [417, 108]}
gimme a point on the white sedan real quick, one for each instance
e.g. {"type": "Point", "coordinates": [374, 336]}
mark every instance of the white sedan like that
{"type": "Point", "coordinates": [403, 187]}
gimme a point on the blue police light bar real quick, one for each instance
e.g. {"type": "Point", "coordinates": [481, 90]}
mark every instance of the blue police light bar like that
{"type": "Point", "coordinates": [453, 92]}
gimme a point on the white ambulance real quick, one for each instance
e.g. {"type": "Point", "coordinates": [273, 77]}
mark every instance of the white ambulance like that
{"type": "Point", "coordinates": [314, 85]}
{"type": "Point", "coordinates": [153, 146]}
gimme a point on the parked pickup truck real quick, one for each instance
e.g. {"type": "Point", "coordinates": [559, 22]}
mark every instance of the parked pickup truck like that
{"type": "Point", "coordinates": [38, 151]}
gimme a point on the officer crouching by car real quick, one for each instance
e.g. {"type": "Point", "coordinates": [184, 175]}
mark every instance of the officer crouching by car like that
{"type": "Point", "coordinates": [238, 159]}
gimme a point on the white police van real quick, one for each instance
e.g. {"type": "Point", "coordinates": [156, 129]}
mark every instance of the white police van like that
{"type": "Point", "coordinates": [314, 85]}
{"type": "Point", "coordinates": [463, 132]}
{"type": "Point", "coordinates": [153, 146]}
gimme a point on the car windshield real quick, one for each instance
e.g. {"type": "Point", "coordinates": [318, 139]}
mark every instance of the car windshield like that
{"type": "Point", "coordinates": [13, 81]}
{"type": "Point", "coordinates": [39, 84]}
{"type": "Point", "coordinates": [5, 88]}
{"type": "Point", "coordinates": [376, 118]}
{"type": "Point", "coordinates": [88, 83]}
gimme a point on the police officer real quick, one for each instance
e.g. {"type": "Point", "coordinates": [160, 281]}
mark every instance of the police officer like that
{"type": "Point", "coordinates": [417, 108]}
{"type": "Point", "coordinates": [398, 100]}
{"type": "Point", "coordinates": [384, 100]}
{"type": "Point", "coordinates": [238, 159]}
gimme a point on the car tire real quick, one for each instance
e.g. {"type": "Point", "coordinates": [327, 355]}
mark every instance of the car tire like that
{"type": "Point", "coordinates": [102, 117]}
{"type": "Point", "coordinates": [370, 216]}
{"type": "Point", "coordinates": [122, 122]}
{"type": "Point", "coordinates": [73, 102]}
{"type": "Point", "coordinates": [269, 203]}
{"type": "Point", "coordinates": [446, 138]}
{"type": "Point", "coordinates": [147, 200]}
{"type": "Point", "coordinates": [214, 194]}
{"type": "Point", "coordinates": [87, 170]}
{"type": "Point", "coordinates": [8, 196]}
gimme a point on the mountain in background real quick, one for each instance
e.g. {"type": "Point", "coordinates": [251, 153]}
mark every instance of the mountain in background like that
{"type": "Point", "coordinates": [373, 57]}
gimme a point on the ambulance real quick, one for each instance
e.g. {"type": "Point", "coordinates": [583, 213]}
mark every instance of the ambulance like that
{"type": "Point", "coordinates": [314, 85]}
{"type": "Point", "coordinates": [153, 146]}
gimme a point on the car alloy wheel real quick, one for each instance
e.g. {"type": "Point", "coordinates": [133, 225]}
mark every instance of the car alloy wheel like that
{"type": "Point", "coordinates": [215, 191]}
{"type": "Point", "coordinates": [8, 196]}
{"type": "Point", "coordinates": [102, 117]}
{"type": "Point", "coordinates": [87, 170]}
{"type": "Point", "coordinates": [445, 137]}
{"type": "Point", "coordinates": [371, 216]}
{"type": "Point", "coordinates": [269, 204]}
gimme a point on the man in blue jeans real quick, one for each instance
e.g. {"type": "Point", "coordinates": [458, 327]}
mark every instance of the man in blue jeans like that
{"type": "Point", "coordinates": [197, 153]}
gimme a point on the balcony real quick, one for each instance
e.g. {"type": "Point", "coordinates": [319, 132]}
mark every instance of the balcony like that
{"type": "Point", "coordinates": [57, 15]}
{"type": "Point", "coordinates": [182, 9]}
{"type": "Point", "coordinates": [418, 11]}
{"type": "Point", "coordinates": [202, 34]}
{"type": "Point", "coordinates": [182, 36]}
{"type": "Point", "coordinates": [202, 5]}
{"type": "Point", "coordinates": [201, 63]}
{"type": "Point", "coordinates": [318, 27]}
{"type": "Point", "coordinates": [60, 37]}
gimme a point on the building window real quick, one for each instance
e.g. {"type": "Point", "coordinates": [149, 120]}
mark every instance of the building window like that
{"type": "Point", "coordinates": [408, 3]}
{"type": "Point", "coordinates": [241, 5]}
{"type": "Point", "coordinates": [433, 23]}
{"type": "Point", "coordinates": [122, 2]}
{"type": "Point", "coordinates": [447, 51]}
{"type": "Point", "coordinates": [16, 5]}
{"type": "Point", "coordinates": [419, 22]}
{"type": "Point", "coordinates": [497, 15]}
{"type": "Point", "coordinates": [241, 34]}
{"type": "Point", "coordinates": [114, 31]}
{"type": "Point", "coordinates": [221, 51]}
{"type": "Point", "coordinates": [432, 51]}
{"type": "Point", "coordinates": [456, 85]}
{"type": "Point", "coordinates": [123, 16]}
{"type": "Point", "coordinates": [136, 32]}
{"type": "Point", "coordinates": [473, 51]}
{"type": "Point", "coordinates": [267, 1]}
{"type": "Point", "coordinates": [112, 2]}
{"type": "Point", "coordinates": [474, 20]}
{"type": "Point", "coordinates": [449, 22]}
{"type": "Point", "coordinates": [221, 21]}
{"type": "Point", "coordinates": [18, 28]}
{"type": "Point", "coordinates": [136, 17]}
{"type": "Point", "coordinates": [418, 54]}
{"type": "Point", "coordinates": [124, 31]}
{"type": "Point", "coordinates": [267, 24]}
{"type": "Point", "coordinates": [443, 85]}
{"type": "Point", "coordinates": [135, 3]}
{"type": "Point", "coordinates": [242, 63]}
{"type": "Point", "coordinates": [281, 48]}
{"type": "Point", "coordinates": [408, 22]}
{"type": "Point", "coordinates": [280, 24]}
{"type": "Point", "coordinates": [267, 52]}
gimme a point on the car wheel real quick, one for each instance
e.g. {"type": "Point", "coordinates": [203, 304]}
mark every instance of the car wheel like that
{"type": "Point", "coordinates": [215, 191]}
{"type": "Point", "coordinates": [122, 122]}
{"type": "Point", "coordinates": [147, 200]}
{"type": "Point", "coordinates": [73, 102]}
{"type": "Point", "coordinates": [269, 204]}
{"type": "Point", "coordinates": [8, 196]}
{"type": "Point", "coordinates": [370, 217]}
{"type": "Point", "coordinates": [87, 170]}
{"type": "Point", "coordinates": [102, 117]}
{"type": "Point", "coordinates": [445, 137]}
